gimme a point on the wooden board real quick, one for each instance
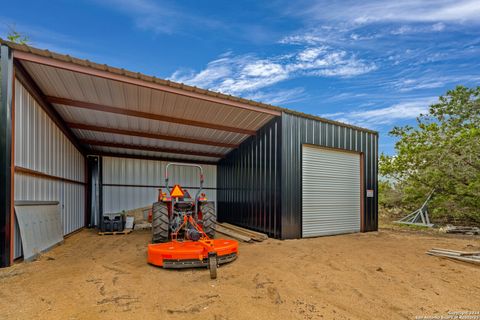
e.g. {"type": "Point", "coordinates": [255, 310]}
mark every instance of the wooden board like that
{"type": "Point", "coordinates": [472, 257]}
{"type": "Point", "coordinates": [240, 232]}
{"type": "Point", "coordinates": [456, 252]}
{"type": "Point", "coordinates": [126, 231]}
{"type": "Point", "coordinates": [254, 233]}
{"type": "Point", "coordinates": [232, 233]}
{"type": "Point", "coordinates": [257, 236]}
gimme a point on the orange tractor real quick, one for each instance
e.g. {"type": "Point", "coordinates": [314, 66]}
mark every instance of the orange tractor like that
{"type": "Point", "coordinates": [183, 230]}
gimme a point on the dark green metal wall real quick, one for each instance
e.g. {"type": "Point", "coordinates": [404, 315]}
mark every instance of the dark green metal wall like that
{"type": "Point", "coordinates": [297, 131]}
{"type": "Point", "coordinates": [249, 182]}
{"type": "Point", "coordinates": [260, 184]}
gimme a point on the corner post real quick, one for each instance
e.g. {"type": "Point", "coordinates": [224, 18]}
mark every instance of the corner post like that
{"type": "Point", "coordinates": [6, 156]}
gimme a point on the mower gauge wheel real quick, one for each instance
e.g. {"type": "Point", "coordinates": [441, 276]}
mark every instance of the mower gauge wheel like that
{"type": "Point", "coordinates": [212, 265]}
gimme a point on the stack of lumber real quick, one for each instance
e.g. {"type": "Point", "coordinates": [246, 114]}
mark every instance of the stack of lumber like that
{"type": "Point", "coordinates": [472, 257]}
{"type": "Point", "coordinates": [239, 233]}
{"type": "Point", "coordinates": [462, 230]}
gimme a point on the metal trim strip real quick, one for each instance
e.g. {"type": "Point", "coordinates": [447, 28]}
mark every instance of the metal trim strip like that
{"type": "Point", "coordinates": [45, 175]}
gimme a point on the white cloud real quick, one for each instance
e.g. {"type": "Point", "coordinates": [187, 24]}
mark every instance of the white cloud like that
{"type": "Point", "coordinates": [301, 39]}
{"type": "Point", "coordinates": [408, 29]}
{"type": "Point", "coordinates": [263, 68]}
{"type": "Point", "coordinates": [146, 14]}
{"type": "Point", "coordinates": [362, 12]}
{"type": "Point", "coordinates": [235, 74]}
{"type": "Point", "coordinates": [346, 68]}
{"type": "Point", "coordinates": [279, 96]}
{"type": "Point", "coordinates": [216, 70]}
{"type": "Point", "coordinates": [311, 54]}
{"type": "Point", "coordinates": [404, 110]}
{"type": "Point", "coordinates": [158, 16]}
{"type": "Point", "coordinates": [438, 26]}
{"type": "Point", "coordinates": [245, 74]}
{"type": "Point", "coordinates": [433, 81]}
{"type": "Point", "coordinates": [407, 85]}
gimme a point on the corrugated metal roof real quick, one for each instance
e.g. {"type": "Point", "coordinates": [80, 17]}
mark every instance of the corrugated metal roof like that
{"type": "Point", "coordinates": [86, 88]}
{"type": "Point", "coordinates": [108, 120]}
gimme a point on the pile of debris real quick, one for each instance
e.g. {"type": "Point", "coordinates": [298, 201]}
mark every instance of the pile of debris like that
{"type": "Point", "coordinates": [462, 230]}
{"type": "Point", "coordinates": [141, 217]}
{"type": "Point", "coordinates": [238, 233]}
{"type": "Point", "coordinates": [472, 257]}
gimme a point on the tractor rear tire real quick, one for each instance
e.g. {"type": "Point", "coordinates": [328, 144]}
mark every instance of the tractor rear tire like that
{"type": "Point", "coordinates": [160, 222]}
{"type": "Point", "coordinates": [209, 217]}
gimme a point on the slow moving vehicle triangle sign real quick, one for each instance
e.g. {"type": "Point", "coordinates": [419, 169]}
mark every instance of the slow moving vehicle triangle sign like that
{"type": "Point", "coordinates": [177, 192]}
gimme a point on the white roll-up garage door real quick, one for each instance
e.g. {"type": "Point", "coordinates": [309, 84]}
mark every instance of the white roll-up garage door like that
{"type": "Point", "coordinates": [330, 192]}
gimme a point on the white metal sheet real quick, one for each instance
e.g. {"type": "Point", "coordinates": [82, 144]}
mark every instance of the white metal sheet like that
{"type": "Point", "coordinates": [134, 183]}
{"type": "Point", "coordinates": [70, 196]}
{"type": "Point", "coordinates": [17, 241]}
{"type": "Point", "coordinates": [330, 192]}
{"type": "Point", "coordinates": [40, 227]}
{"type": "Point", "coordinates": [41, 146]}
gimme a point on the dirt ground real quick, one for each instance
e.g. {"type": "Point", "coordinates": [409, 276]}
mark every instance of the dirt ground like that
{"type": "Point", "coordinates": [378, 275]}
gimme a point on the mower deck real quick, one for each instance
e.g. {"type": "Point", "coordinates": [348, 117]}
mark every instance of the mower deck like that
{"type": "Point", "coordinates": [188, 254]}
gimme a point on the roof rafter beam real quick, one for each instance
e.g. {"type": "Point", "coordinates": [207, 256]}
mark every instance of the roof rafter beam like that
{"type": "Point", "coordinates": [140, 114]}
{"type": "Point", "coordinates": [150, 148]}
{"type": "Point", "coordinates": [65, 65]}
{"type": "Point", "coordinates": [144, 134]}
{"type": "Point", "coordinates": [131, 156]}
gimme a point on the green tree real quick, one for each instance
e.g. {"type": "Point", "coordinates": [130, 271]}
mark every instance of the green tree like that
{"type": "Point", "coordinates": [15, 36]}
{"type": "Point", "coordinates": [443, 153]}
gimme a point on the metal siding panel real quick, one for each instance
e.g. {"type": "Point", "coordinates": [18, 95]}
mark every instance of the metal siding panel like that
{"type": "Point", "coordinates": [291, 176]}
{"type": "Point", "coordinates": [40, 145]}
{"type": "Point", "coordinates": [68, 194]}
{"type": "Point", "coordinates": [331, 192]}
{"type": "Point", "coordinates": [134, 183]}
{"type": "Point", "coordinates": [119, 198]}
{"type": "Point", "coordinates": [17, 242]}
{"type": "Point", "coordinates": [291, 168]}
{"type": "Point", "coordinates": [127, 171]}
{"type": "Point", "coordinates": [249, 182]}
{"type": "Point", "coordinates": [40, 228]}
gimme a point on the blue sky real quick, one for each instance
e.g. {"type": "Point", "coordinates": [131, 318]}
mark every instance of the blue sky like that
{"type": "Point", "coordinates": [375, 64]}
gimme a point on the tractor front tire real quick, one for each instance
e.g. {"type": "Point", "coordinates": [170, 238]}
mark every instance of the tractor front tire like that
{"type": "Point", "coordinates": [209, 217]}
{"type": "Point", "coordinates": [160, 222]}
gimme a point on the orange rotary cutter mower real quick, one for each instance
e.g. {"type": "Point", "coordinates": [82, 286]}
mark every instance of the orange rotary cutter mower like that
{"type": "Point", "coordinates": [183, 230]}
